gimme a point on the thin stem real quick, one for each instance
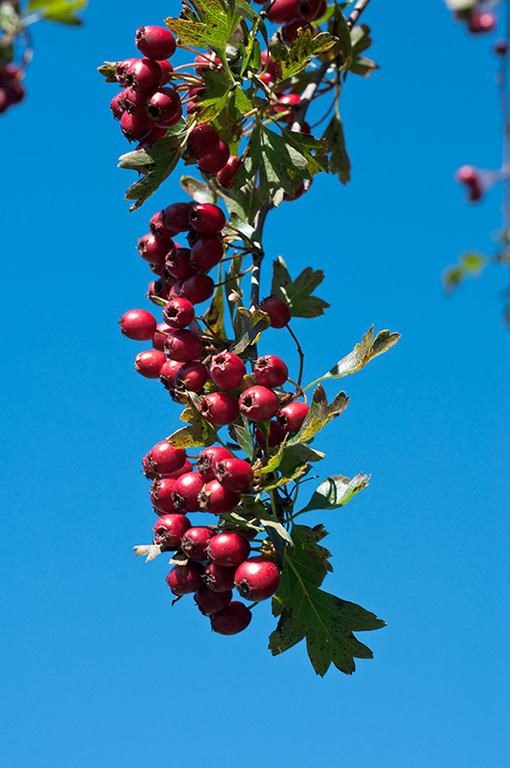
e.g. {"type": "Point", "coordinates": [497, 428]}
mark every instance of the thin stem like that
{"type": "Point", "coordinates": [257, 256]}
{"type": "Point", "coordinates": [356, 12]}
{"type": "Point", "coordinates": [300, 353]}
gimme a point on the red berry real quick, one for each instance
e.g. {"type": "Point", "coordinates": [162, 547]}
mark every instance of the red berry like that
{"type": "Point", "coordinates": [160, 289]}
{"type": "Point", "coordinates": [212, 602]}
{"type": "Point", "coordinates": [219, 578]}
{"type": "Point", "coordinates": [216, 160]}
{"type": "Point", "coordinates": [266, 63]}
{"type": "Point", "coordinates": [227, 370]}
{"type": "Point", "coordinates": [285, 103]}
{"type": "Point", "coordinates": [159, 338]}
{"type": "Point", "coordinates": [208, 459]}
{"type": "Point", "coordinates": [178, 263]}
{"type": "Point", "coordinates": [467, 174]}
{"type": "Point", "coordinates": [192, 376]}
{"type": "Point", "coordinates": [475, 193]}
{"type": "Point", "coordinates": [501, 47]}
{"type": "Point", "coordinates": [184, 470]}
{"type": "Point", "coordinates": [167, 71]}
{"type": "Point", "coordinates": [149, 363]}
{"type": "Point", "coordinates": [176, 290]}
{"type": "Point", "coordinates": [274, 438]}
{"type": "Point", "coordinates": [176, 216]}
{"type": "Point", "coordinates": [198, 288]}
{"type": "Point", "coordinates": [219, 408]}
{"type": "Point", "coordinates": [194, 542]}
{"type": "Point", "coordinates": [277, 309]}
{"type": "Point", "coordinates": [289, 31]}
{"type": "Point", "coordinates": [203, 140]}
{"type": "Point", "coordinates": [154, 249]}
{"type": "Point", "coordinates": [283, 11]}
{"type": "Point", "coordinates": [228, 549]}
{"type": "Point", "coordinates": [156, 134]}
{"type": "Point", "coordinates": [481, 22]}
{"type": "Point", "coordinates": [135, 127]}
{"type": "Point", "coordinates": [168, 373]}
{"type": "Point", "coordinates": [226, 175]}
{"type": "Point", "coordinates": [157, 227]}
{"type": "Point", "coordinates": [164, 459]}
{"type": "Point", "coordinates": [216, 499]}
{"type": "Point", "coordinates": [258, 403]}
{"type": "Point", "coordinates": [155, 42]}
{"type": "Point", "coordinates": [271, 371]}
{"type": "Point", "coordinates": [232, 619]}
{"type": "Point", "coordinates": [257, 578]}
{"type": "Point", "coordinates": [122, 68]}
{"type": "Point", "coordinates": [137, 324]}
{"type": "Point", "coordinates": [184, 579]}
{"type": "Point", "coordinates": [134, 101]}
{"type": "Point", "coordinates": [297, 194]}
{"type": "Point", "coordinates": [206, 62]}
{"type": "Point", "coordinates": [164, 106]}
{"type": "Point", "coordinates": [170, 529]}
{"type": "Point", "coordinates": [206, 218]}
{"type": "Point", "coordinates": [117, 105]}
{"type": "Point", "coordinates": [234, 474]}
{"type": "Point", "coordinates": [143, 75]}
{"type": "Point", "coordinates": [161, 494]}
{"type": "Point", "coordinates": [186, 490]}
{"type": "Point", "coordinates": [312, 9]}
{"type": "Point", "coordinates": [179, 313]}
{"type": "Point", "coordinates": [183, 345]}
{"type": "Point", "coordinates": [292, 416]}
{"type": "Point", "coordinates": [207, 251]}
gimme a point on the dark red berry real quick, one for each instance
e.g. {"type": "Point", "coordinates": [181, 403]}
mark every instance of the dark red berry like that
{"type": "Point", "coordinates": [157, 226]}
{"type": "Point", "coordinates": [475, 193]}
{"type": "Point", "coordinates": [277, 309]}
{"type": "Point", "coordinates": [228, 549]}
{"type": "Point", "coordinates": [234, 474]}
{"type": "Point", "coordinates": [117, 105]}
{"type": "Point", "coordinates": [185, 579]}
{"type": "Point", "coordinates": [161, 494]}
{"type": "Point", "coordinates": [186, 490]}
{"type": "Point", "coordinates": [179, 313]}
{"type": "Point", "coordinates": [156, 134]}
{"type": "Point", "coordinates": [176, 216]}
{"type": "Point", "coordinates": [164, 106]}
{"type": "Point", "coordinates": [227, 370]}
{"type": "Point", "coordinates": [143, 75]}
{"type": "Point", "coordinates": [176, 290]}
{"type": "Point", "coordinates": [203, 140]}
{"type": "Point", "coordinates": [178, 263]}
{"type": "Point", "coordinates": [134, 101]}
{"type": "Point", "coordinates": [274, 438]}
{"type": "Point", "coordinates": [232, 619]}
{"type": "Point", "coordinates": [266, 63]}
{"type": "Point", "coordinates": [257, 578]}
{"type": "Point", "coordinates": [168, 373]}
{"type": "Point", "coordinates": [312, 9]}
{"type": "Point", "coordinates": [164, 459]}
{"type": "Point", "coordinates": [216, 160]}
{"type": "Point", "coordinates": [292, 416]}
{"type": "Point", "coordinates": [137, 324]}
{"type": "Point", "coordinates": [219, 408]}
{"type": "Point", "coordinates": [216, 499]}
{"type": "Point", "coordinates": [158, 340]}
{"type": "Point", "coordinates": [467, 174]}
{"type": "Point", "coordinates": [481, 22]}
{"type": "Point", "coordinates": [170, 529]}
{"type": "Point", "coordinates": [183, 345]}
{"type": "Point", "coordinates": [154, 249]}
{"type": "Point", "coordinates": [271, 371]}
{"type": "Point", "coordinates": [155, 42]}
{"type": "Point", "coordinates": [149, 363]}
{"type": "Point", "coordinates": [194, 542]}
{"type": "Point", "coordinates": [122, 68]}
{"type": "Point", "coordinates": [258, 403]}
{"type": "Point", "coordinates": [289, 31]}
{"type": "Point", "coordinates": [219, 578]}
{"type": "Point", "coordinates": [135, 127]}
{"type": "Point", "coordinates": [208, 459]}
{"type": "Point", "coordinates": [212, 602]}
{"type": "Point", "coordinates": [225, 176]}
{"type": "Point", "coordinates": [283, 11]}
{"type": "Point", "coordinates": [192, 376]}
{"type": "Point", "coordinates": [167, 71]}
{"type": "Point", "coordinates": [147, 469]}
{"type": "Point", "coordinates": [206, 218]}
{"type": "Point", "coordinates": [207, 251]}
{"type": "Point", "coordinates": [188, 467]}
{"type": "Point", "coordinates": [198, 288]}
{"type": "Point", "coordinates": [159, 289]}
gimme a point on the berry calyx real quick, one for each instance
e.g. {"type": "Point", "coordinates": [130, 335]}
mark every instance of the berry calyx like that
{"type": "Point", "coordinates": [195, 540]}
{"type": "Point", "coordinates": [183, 345]}
{"type": "Point", "coordinates": [219, 578]}
{"type": "Point", "coordinates": [258, 403]}
{"type": "Point", "coordinates": [270, 371]}
{"type": "Point", "coordinates": [138, 325]}
{"type": "Point", "coordinates": [155, 42]}
{"type": "Point", "coordinates": [178, 263]}
{"type": "Point", "coordinates": [219, 408]}
{"type": "Point", "coordinates": [227, 370]}
{"type": "Point", "coordinates": [143, 74]}
{"type": "Point", "coordinates": [178, 313]}
{"type": "Point", "coordinates": [157, 226]}
{"type": "Point", "coordinates": [206, 218]}
{"type": "Point", "coordinates": [257, 578]}
{"type": "Point", "coordinates": [292, 416]}
{"type": "Point", "coordinates": [217, 499]}
{"type": "Point", "coordinates": [161, 494]}
{"type": "Point", "coordinates": [149, 363]}
{"type": "Point", "coordinates": [170, 529]}
{"type": "Point", "coordinates": [208, 460]}
{"type": "Point", "coordinates": [228, 549]}
{"type": "Point", "coordinates": [211, 602]}
{"type": "Point", "coordinates": [234, 474]}
{"type": "Point", "coordinates": [185, 579]}
{"type": "Point", "coordinates": [232, 619]}
{"type": "Point", "coordinates": [277, 309]}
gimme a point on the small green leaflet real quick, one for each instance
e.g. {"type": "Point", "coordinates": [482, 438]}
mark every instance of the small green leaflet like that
{"type": "Point", "coordinates": [107, 70]}
{"type": "Point", "coordinates": [61, 11]}
{"type": "Point", "coordinates": [339, 159]}
{"type": "Point", "coordinates": [362, 353]}
{"type": "Point", "coordinates": [198, 190]}
{"type": "Point", "coordinates": [360, 39]}
{"type": "Point", "coordinates": [470, 265]}
{"type": "Point", "coordinates": [320, 414]}
{"type": "Point", "coordinates": [242, 435]}
{"type": "Point", "coordinates": [298, 293]}
{"type": "Point", "coordinates": [198, 433]}
{"type": "Point", "coordinates": [252, 325]}
{"type": "Point", "coordinates": [304, 47]}
{"type": "Point", "coordinates": [216, 25]}
{"type": "Point", "coordinates": [363, 66]}
{"type": "Point", "coordinates": [336, 491]}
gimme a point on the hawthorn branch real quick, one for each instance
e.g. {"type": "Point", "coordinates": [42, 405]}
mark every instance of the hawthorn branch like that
{"type": "Point", "coordinates": [258, 255]}
{"type": "Point", "coordinates": [356, 12]}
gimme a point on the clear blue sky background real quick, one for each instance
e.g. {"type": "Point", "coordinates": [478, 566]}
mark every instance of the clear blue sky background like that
{"type": "Point", "coordinates": [96, 667]}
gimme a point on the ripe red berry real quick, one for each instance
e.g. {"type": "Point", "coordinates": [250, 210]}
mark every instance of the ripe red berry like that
{"type": "Point", "coordinates": [157, 226]}
{"type": "Point", "coordinates": [137, 324]}
{"type": "Point", "coordinates": [274, 438]}
{"type": "Point", "coordinates": [117, 105]}
{"type": "Point", "coordinates": [286, 103]}
{"type": "Point", "coordinates": [176, 290]}
{"type": "Point", "coordinates": [192, 376]}
{"type": "Point", "coordinates": [198, 288]}
{"type": "Point", "coordinates": [258, 403]}
{"type": "Point", "coordinates": [156, 134]}
{"type": "Point", "coordinates": [135, 127]}
{"type": "Point", "coordinates": [194, 542]}
{"type": "Point", "coordinates": [168, 71]}
{"type": "Point", "coordinates": [257, 578]}
{"type": "Point", "coordinates": [154, 249]}
{"type": "Point", "coordinates": [159, 337]}
{"type": "Point", "coordinates": [159, 289]}
{"type": "Point", "coordinates": [219, 578]}
{"type": "Point", "coordinates": [212, 602]}
{"type": "Point", "coordinates": [168, 373]}
{"type": "Point", "coordinates": [147, 469]}
{"type": "Point", "coordinates": [207, 251]}
{"type": "Point", "coordinates": [203, 140]}
{"type": "Point", "coordinates": [208, 459]}
{"type": "Point", "coordinates": [216, 499]}
{"type": "Point", "coordinates": [165, 459]}
{"type": "Point", "coordinates": [225, 176]}
{"type": "Point", "coordinates": [186, 490]}
{"type": "Point", "coordinates": [266, 63]}
{"type": "Point", "coordinates": [467, 174]}
{"type": "Point", "coordinates": [178, 263]}
{"type": "Point", "coordinates": [149, 363]}
{"type": "Point", "coordinates": [219, 408]}
{"type": "Point", "coordinates": [164, 106]}
{"type": "Point", "coordinates": [143, 75]}
{"type": "Point", "coordinates": [183, 471]}
{"type": "Point", "coordinates": [232, 619]}
{"type": "Point", "coordinates": [161, 494]}
{"type": "Point", "coordinates": [283, 11]}
{"type": "Point", "coordinates": [234, 474]}
{"type": "Point", "coordinates": [170, 529]}
{"type": "Point", "coordinates": [179, 313]}
{"type": "Point", "coordinates": [228, 549]}
{"type": "Point", "coordinates": [183, 345]}
{"type": "Point", "coordinates": [312, 9]}
{"type": "Point", "coordinates": [185, 579]}
{"type": "Point", "coordinates": [481, 22]}
{"type": "Point", "coordinates": [206, 218]}
{"type": "Point", "coordinates": [155, 42]}
{"type": "Point", "coordinates": [122, 68]}
{"type": "Point", "coordinates": [292, 416]}
{"type": "Point", "coordinates": [227, 370]}
{"type": "Point", "coordinates": [277, 309]}
{"type": "Point", "coordinates": [134, 101]}
{"type": "Point", "coordinates": [475, 193]}
{"type": "Point", "coordinates": [271, 371]}
{"type": "Point", "coordinates": [176, 216]}
{"type": "Point", "coordinates": [215, 160]}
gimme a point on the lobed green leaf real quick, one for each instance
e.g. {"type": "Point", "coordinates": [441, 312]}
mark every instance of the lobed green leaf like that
{"type": "Point", "coordinates": [336, 491]}
{"type": "Point", "coordinates": [298, 293]}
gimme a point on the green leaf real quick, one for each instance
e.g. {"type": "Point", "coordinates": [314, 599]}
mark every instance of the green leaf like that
{"type": "Point", "coordinates": [360, 39]}
{"type": "Point", "coordinates": [336, 491]}
{"type": "Point", "coordinates": [281, 167]}
{"type": "Point", "coordinates": [253, 323]}
{"type": "Point", "coordinates": [296, 474]}
{"type": "Point", "coordinates": [296, 455]}
{"type": "Point", "coordinates": [307, 612]}
{"type": "Point", "coordinates": [362, 353]}
{"type": "Point", "coordinates": [215, 312]}
{"type": "Point", "coordinates": [304, 47]}
{"type": "Point", "coordinates": [470, 265]}
{"type": "Point", "coordinates": [338, 27]}
{"type": "Point", "coordinates": [298, 293]}
{"type": "Point", "coordinates": [107, 70]}
{"type": "Point", "coordinates": [198, 190]}
{"type": "Point", "coordinates": [274, 462]}
{"type": "Point", "coordinates": [242, 435]}
{"type": "Point", "coordinates": [339, 160]}
{"type": "Point", "coordinates": [214, 99]}
{"type": "Point", "coordinates": [60, 11]}
{"type": "Point", "coordinates": [363, 66]}
{"type": "Point", "coordinates": [320, 414]}
{"type": "Point", "coordinates": [198, 433]}
{"type": "Point", "coordinates": [314, 150]}
{"type": "Point", "coordinates": [213, 29]}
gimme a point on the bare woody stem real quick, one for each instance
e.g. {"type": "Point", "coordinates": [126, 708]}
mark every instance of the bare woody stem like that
{"type": "Point", "coordinates": [356, 12]}
{"type": "Point", "coordinates": [258, 255]}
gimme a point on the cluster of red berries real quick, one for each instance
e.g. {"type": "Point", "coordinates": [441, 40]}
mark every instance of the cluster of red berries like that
{"type": "Point", "coordinates": [472, 179]}
{"type": "Point", "coordinates": [11, 88]}
{"type": "Point", "coordinates": [294, 15]}
{"type": "Point", "coordinates": [478, 20]}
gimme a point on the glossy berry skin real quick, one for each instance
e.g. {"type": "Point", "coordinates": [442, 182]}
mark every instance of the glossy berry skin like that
{"type": "Point", "coordinates": [170, 529]}
{"type": "Point", "coordinates": [188, 467]}
{"type": "Point", "coordinates": [275, 437]}
{"type": "Point", "coordinates": [157, 227]}
{"type": "Point", "coordinates": [234, 474]}
{"type": "Point", "coordinates": [135, 127]}
{"type": "Point", "coordinates": [154, 249]}
{"type": "Point", "coordinates": [270, 371]}
{"type": "Point", "coordinates": [216, 160]}
{"type": "Point", "coordinates": [286, 103]}
{"type": "Point", "coordinates": [258, 403]}
{"type": "Point", "coordinates": [211, 602]}
{"type": "Point", "coordinates": [185, 579]}
{"type": "Point", "coordinates": [178, 263]}
{"type": "Point", "coordinates": [194, 542]}
{"type": "Point", "coordinates": [156, 134]}
{"type": "Point", "coordinates": [219, 408]}
{"type": "Point", "coordinates": [226, 175]}
{"type": "Point", "coordinates": [176, 216]}
{"type": "Point", "coordinates": [168, 373]}
{"type": "Point", "coordinates": [207, 251]}
{"type": "Point", "coordinates": [481, 22]}
{"type": "Point", "coordinates": [178, 313]}
{"type": "Point", "coordinates": [277, 309]}
{"type": "Point", "coordinates": [164, 106]}
{"type": "Point", "coordinates": [138, 325]}
{"type": "Point", "coordinates": [208, 460]}
{"type": "Point", "coordinates": [117, 105]}
{"type": "Point", "coordinates": [217, 499]}
{"type": "Point", "coordinates": [257, 578]}
{"type": "Point", "coordinates": [149, 363]}
{"type": "Point", "coordinates": [155, 42]}
{"type": "Point", "coordinates": [143, 75]}
{"type": "Point", "coordinates": [283, 11]}
{"type": "Point", "coordinates": [164, 459]}
{"type": "Point", "coordinates": [168, 71]}
{"type": "Point", "coordinates": [192, 376]}
{"type": "Point", "coordinates": [203, 140]}
{"type": "Point", "coordinates": [232, 619]}
{"type": "Point", "coordinates": [159, 337]}
{"type": "Point", "coordinates": [266, 63]}
{"type": "Point", "coordinates": [134, 101]}
{"type": "Point", "coordinates": [228, 549]}
{"type": "Point", "coordinates": [206, 218]}
{"type": "Point", "coordinates": [186, 490]}
{"type": "Point", "coordinates": [219, 578]}
{"type": "Point", "coordinates": [198, 288]}
{"type": "Point", "coordinates": [227, 370]}
{"type": "Point", "coordinates": [467, 174]}
{"type": "Point", "coordinates": [292, 416]}
{"type": "Point", "coordinates": [183, 345]}
{"type": "Point", "coordinates": [161, 494]}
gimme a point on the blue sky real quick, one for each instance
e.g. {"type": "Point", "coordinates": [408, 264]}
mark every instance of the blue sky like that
{"type": "Point", "coordinates": [96, 667]}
